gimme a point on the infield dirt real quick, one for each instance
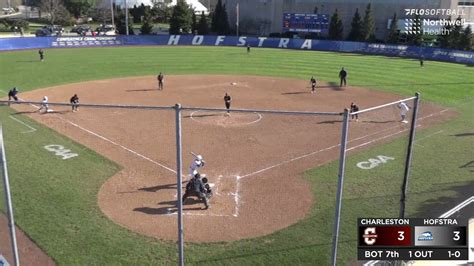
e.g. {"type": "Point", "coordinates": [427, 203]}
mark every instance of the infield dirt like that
{"type": "Point", "coordinates": [255, 161]}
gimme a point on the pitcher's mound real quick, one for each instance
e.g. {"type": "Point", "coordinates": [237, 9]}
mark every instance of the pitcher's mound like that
{"type": "Point", "coordinates": [224, 119]}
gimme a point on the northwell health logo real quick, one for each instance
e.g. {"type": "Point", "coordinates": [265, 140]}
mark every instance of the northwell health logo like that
{"type": "Point", "coordinates": [417, 24]}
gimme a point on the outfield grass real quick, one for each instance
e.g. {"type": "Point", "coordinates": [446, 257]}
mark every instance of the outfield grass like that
{"type": "Point", "coordinates": [55, 200]}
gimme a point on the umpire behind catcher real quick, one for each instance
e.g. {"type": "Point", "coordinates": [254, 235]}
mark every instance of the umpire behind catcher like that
{"type": "Point", "coordinates": [195, 187]}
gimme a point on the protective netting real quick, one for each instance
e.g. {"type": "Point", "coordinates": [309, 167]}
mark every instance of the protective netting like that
{"type": "Point", "coordinates": [375, 165]}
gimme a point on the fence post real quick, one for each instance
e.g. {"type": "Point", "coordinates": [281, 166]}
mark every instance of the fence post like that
{"type": "Point", "coordinates": [411, 139]}
{"type": "Point", "coordinates": [342, 165]}
{"type": "Point", "coordinates": [6, 186]}
{"type": "Point", "coordinates": [179, 169]}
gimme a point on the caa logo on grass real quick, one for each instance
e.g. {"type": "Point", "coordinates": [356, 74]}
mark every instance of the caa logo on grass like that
{"type": "Point", "coordinates": [426, 236]}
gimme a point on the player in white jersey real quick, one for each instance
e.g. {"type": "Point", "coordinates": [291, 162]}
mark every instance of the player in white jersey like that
{"type": "Point", "coordinates": [403, 111]}
{"type": "Point", "coordinates": [44, 104]}
{"type": "Point", "coordinates": [197, 163]}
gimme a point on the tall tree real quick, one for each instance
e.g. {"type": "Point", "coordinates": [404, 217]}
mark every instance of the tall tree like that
{"type": "Point", "coordinates": [147, 26]}
{"type": "Point", "coordinates": [216, 16]}
{"type": "Point", "coordinates": [356, 28]}
{"type": "Point", "coordinates": [180, 21]}
{"type": "Point", "coordinates": [335, 27]}
{"type": "Point", "coordinates": [203, 28]}
{"type": "Point", "coordinates": [162, 10]}
{"type": "Point", "coordinates": [393, 33]}
{"type": "Point", "coordinates": [368, 25]}
{"type": "Point", "coordinates": [223, 22]}
{"type": "Point", "coordinates": [78, 8]}
{"type": "Point", "coordinates": [465, 42]}
{"type": "Point", "coordinates": [194, 23]}
{"type": "Point", "coordinates": [56, 10]}
{"type": "Point", "coordinates": [456, 34]}
{"type": "Point", "coordinates": [444, 38]}
{"type": "Point", "coordinates": [120, 22]}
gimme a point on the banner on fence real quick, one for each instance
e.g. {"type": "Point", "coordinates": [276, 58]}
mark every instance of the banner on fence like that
{"type": "Point", "coordinates": [427, 53]}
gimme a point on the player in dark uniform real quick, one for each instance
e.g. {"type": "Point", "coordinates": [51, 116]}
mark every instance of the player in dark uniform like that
{"type": "Point", "coordinates": [160, 78]}
{"type": "Point", "coordinates": [12, 94]}
{"type": "Point", "coordinates": [227, 101]}
{"type": "Point", "coordinates": [354, 108]}
{"type": "Point", "coordinates": [195, 187]}
{"type": "Point", "coordinates": [313, 84]}
{"type": "Point", "coordinates": [248, 48]}
{"type": "Point", "coordinates": [421, 61]}
{"type": "Point", "coordinates": [41, 54]}
{"type": "Point", "coordinates": [342, 76]}
{"type": "Point", "coordinates": [74, 102]}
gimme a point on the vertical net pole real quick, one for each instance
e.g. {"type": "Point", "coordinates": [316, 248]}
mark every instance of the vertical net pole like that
{"type": "Point", "coordinates": [411, 139]}
{"type": "Point", "coordinates": [179, 169]}
{"type": "Point", "coordinates": [6, 184]}
{"type": "Point", "coordinates": [342, 164]}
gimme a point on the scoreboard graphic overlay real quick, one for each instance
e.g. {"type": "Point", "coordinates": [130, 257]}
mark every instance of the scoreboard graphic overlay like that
{"type": "Point", "coordinates": [412, 239]}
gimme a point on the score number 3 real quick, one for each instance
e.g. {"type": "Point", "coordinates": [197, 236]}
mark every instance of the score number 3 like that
{"type": "Point", "coordinates": [401, 235]}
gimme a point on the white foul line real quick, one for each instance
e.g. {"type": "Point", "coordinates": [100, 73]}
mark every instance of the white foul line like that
{"type": "Point", "coordinates": [116, 144]}
{"type": "Point", "coordinates": [32, 129]}
{"type": "Point", "coordinates": [112, 142]}
{"type": "Point", "coordinates": [337, 145]}
{"type": "Point", "coordinates": [237, 197]}
{"type": "Point", "coordinates": [457, 207]}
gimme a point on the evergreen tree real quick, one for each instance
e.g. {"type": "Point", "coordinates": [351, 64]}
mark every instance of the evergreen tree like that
{"type": "Point", "coordinates": [444, 38]}
{"type": "Point", "coordinates": [147, 25]}
{"type": "Point", "coordinates": [465, 42]}
{"type": "Point", "coordinates": [223, 22]}
{"type": "Point", "coordinates": [194, 24]}
{"type": "Point", "coordinates": [368, 25]}
{"type": "Point", "coordinates": [203, 28]}
{"type": "Point", "coordinates": [393, 32]}
{"type": "Point", "coordinates": [455, 35]}
{"type": "Point", "coordinates": [120, 23]}
{"type": "Point", "coordinates": [216, 16]}
{"type": "Point", "coordinates": [335, 27]}
{"type": "Point", "coordinates": [180, 21]}
{"type": "Point", "coordinates": [356, 28]}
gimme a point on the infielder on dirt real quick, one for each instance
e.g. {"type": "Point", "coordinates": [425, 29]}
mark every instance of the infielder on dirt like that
{"type": "Point", "coordinates": [403, 111]}
{"type": "Point", "coordinates": [313, 84]}
{"type": "Point", "coordinates": [74, 102]}
{"type": "Point", "coordinates": [44, 104]}
{"type": "Point", "coordinates": [227, 101]}
{"type": "Point", "coordinates": [12, 94]}
{"type": "Point", "coordinates": [160, 78]}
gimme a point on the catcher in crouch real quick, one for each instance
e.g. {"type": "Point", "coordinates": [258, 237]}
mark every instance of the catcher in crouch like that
{"type": "Point", "coordinates": [199, 188]}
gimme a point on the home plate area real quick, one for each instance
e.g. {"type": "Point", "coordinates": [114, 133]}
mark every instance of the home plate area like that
{"type": "Point", "coordinates": [224, 202]}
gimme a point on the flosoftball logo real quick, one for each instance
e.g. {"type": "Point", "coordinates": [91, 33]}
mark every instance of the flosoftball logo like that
{"type": "Point", "coordinates": [412, 26]}
{"type": "Point", "coordinates": [432, 26]}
